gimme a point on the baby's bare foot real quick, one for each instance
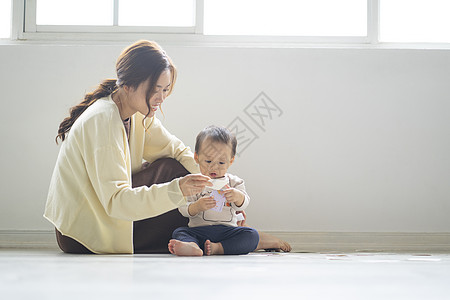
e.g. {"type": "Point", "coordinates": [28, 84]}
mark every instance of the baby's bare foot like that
{"type": "Point", "coordinates": [213, 248]}
{"type": "Point", "coordinates": [184, 248]}
{"type": "Point", "coordinates": [170, 247]}
{"type": "Point", "coordinates": [207, 247]}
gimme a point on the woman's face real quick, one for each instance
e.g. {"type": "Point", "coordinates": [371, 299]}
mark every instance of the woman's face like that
{"type": "Point", "coordinates": [138, 97]}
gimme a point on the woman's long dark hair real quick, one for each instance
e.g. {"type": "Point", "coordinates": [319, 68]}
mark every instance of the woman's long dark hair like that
{"type": "Point", "coordinates": [141, 61]}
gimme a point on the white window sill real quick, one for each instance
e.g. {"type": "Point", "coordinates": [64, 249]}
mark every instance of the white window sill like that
{"type": "Point", "coordinates": [198, 40]}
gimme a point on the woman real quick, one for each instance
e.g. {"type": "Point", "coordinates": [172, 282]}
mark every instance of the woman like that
{"type": "Point", "coordinates": [100, 199]}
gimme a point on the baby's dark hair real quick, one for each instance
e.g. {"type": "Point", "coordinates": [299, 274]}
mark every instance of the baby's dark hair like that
{"type": "Point", "coordinates": [216, 134]}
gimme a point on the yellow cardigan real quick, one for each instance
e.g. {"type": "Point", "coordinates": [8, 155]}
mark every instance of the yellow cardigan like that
{"type": "Point", "coordinates": [90, 197]}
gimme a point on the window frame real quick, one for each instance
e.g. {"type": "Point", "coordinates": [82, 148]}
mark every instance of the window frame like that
{"type": "Point", "coordinates": [31, 28]}
{"type": "Point", "coordinates": [25, 28]}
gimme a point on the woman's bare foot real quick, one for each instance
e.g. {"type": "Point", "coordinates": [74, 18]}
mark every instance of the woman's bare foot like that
{"type": "Point", "coordinates": [213, 248]}
{"type": "Point", "coordinates": [267, 241]}
{"type": "Point", "coordinates": [184, 248]}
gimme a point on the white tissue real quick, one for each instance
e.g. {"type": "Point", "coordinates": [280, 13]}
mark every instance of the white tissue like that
{"type": "Point", "coordinates": [218, 183]}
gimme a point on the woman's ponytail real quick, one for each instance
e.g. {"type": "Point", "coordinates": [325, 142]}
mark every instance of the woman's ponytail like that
{"type": "Point", "coordinates": [106, 88]}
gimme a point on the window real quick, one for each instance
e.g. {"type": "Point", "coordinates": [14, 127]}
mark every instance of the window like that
{"type": "Point", "coordinates": [5, 19]}
{"type": "Point", "coordinates": [286, 17]}
{"type": "Point", "coordinates": [232, 21]}
{"type": "Point", "coordinates": [249, 17]}
{"type": "Point", "coordinates": [110, 15]}
{"type": "Point", "coordinates": [200, 20]}
{"type": "Point", "coordinates": [157, 13]}
{"type": "Point", "coordinates": [79, 12]}
{"type": "Point", "coordinates": [415, 21]}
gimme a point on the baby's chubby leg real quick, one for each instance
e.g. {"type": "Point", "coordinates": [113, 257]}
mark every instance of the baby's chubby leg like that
{"type": "Point", "coordinates": [184, 248]}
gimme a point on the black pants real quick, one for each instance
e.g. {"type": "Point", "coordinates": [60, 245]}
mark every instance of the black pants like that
{"type": "Point", "coordinates": [149, 235]}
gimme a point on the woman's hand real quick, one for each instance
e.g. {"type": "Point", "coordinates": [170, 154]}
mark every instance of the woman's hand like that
{"type": "Point", "coordinates": [234, 196]}
{"type": "Point", "coordinates": [193, 184]}
{"type": "Point", "coordinates": [201, 204]}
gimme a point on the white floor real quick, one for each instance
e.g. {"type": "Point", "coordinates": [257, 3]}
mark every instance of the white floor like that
{"type": "Point", "coordinates": [48, 274]}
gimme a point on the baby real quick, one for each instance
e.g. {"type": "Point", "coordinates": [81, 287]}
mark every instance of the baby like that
{"type": "Point", "coordinates": [213, 228]}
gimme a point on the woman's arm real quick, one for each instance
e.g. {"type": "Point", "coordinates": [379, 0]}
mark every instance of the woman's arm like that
{"type": "Point", "coordinates": [110, 175]}
{"type": "Point", "coordinates": [104, 159]}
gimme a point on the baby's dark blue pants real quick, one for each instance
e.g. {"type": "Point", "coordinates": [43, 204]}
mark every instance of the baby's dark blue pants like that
{"type": "Point", "coordinates": [235, 240]}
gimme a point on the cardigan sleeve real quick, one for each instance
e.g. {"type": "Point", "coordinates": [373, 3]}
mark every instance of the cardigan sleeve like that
{"type": "Point", "coordinates": [108, 168]}
{"type": "Point", "coordinates": [160, 143]}
{"type": "Point", "coordinates": [110, 181]}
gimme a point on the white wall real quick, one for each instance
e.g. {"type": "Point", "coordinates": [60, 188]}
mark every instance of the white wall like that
{"type": "Point", "coordinates": [362, 144]}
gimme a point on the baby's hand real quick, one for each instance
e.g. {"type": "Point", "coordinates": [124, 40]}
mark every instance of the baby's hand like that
{"type": "Point", "coordinates": [242, 222]}
{"type": "Point", "coordinates": [201, 204]}
{"type": "Point", "coordinates": [234, 196]}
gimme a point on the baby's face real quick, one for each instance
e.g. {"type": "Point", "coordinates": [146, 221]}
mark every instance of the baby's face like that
{"type": "Point", "coordinates": [214, 158]}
